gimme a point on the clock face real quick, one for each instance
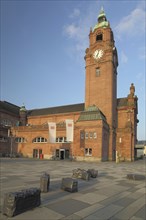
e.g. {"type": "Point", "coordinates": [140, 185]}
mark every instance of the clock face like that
{"type": "Point", "coordinates": [98, 54]}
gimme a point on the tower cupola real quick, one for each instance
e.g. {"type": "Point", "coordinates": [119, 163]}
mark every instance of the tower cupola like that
{"type": "Point", "coordinates": [23, 115]}
{"type": "Point", "coordinates": [102, 21]}
{"type": "Point", "coordinates": [22, 108]}
{"type": "Point", "coordinates": [101, 16]}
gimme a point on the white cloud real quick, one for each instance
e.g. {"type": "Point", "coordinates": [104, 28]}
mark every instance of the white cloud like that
{"type": "Point", "coordinates": [71, 30]}
{"type": "Point", "coordinates": [142, 53]}
{"type": "Point", "coordinates": [75, 13]}
{"type": "Point", "coordinates": [124, 58]}
{"type": "Point", "coordinates": [79, 29]}
{"type": "Point", "coordinates": [132, 24]}
{"type": "Point", "coordinates": [140, 76]}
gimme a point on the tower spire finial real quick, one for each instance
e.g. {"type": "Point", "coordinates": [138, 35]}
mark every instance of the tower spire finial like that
{"type": "Point", "coordinates": [102, 9]}
{"type": "Point", "coordinates": [101, 20]}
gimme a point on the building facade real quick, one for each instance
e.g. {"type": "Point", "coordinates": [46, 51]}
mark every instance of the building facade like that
{"type": "Point", "coordinates": [103, 127]}
{"type": "Point", "coordinates": [9, 117]}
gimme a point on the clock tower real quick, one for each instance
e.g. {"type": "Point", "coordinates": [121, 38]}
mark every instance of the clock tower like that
{"type": "Point", "coordinates": [101, 75]}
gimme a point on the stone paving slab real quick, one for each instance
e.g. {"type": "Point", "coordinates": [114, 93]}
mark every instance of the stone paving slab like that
{"type": "Point", "coordinates": [124, 202]}
{"type": "Point", "coordinates": [131, 209]}
{"type": "Point", "coordinates": [110, 196]}
{"type": "Point", "coordinates": [136, 218]}
{"type": "Point", "coordinates": [115, 198]}
{"type": "Point", "coordinates": [90, 198]}
{"type": "Point", "coordinates": [141, 212]}
{"type": "Point", "coordinates": [41, 213]}
{"type": "Point", "coordinates": [67, 207]}
{"type": "Point", "coordinates": [89, 210]}
{"type": "Point", "coordinates": [105, 213]}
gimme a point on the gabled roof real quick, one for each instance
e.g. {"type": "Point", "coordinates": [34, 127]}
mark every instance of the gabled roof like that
{"type": "Point", "coordinates": [56, 110]}
{"type": "Point", "coordinates": [92, 113]}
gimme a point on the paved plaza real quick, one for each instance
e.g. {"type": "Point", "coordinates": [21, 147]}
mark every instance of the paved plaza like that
{"type": "Point", "coordinates": [109, 196]}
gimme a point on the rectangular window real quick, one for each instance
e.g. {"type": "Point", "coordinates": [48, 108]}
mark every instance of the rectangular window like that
{"type": "Point", "coordinates": [61, 139]}
{"type": "Point", "coordinates": [97, 72]}
{"type": "Point", "coordinates": [91, 135]}
{"type": "Point", "coordinates": [3, 139]}
{"type": "Point", "coordinates": [19, 140]}
{"type": "Point", "coordinates": [86, 135]}
{"type": "Point", "coordinates": [88, 151]}
{"type": "Point", "coordinates": [82, 135]}
{"type": "Point", "coordinates": [94, 135]}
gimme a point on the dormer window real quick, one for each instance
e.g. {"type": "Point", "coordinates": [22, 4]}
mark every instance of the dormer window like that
{"type": "Point", "coordinates": [99, 37]}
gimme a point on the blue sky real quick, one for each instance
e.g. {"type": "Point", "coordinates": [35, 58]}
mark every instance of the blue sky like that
{"type": "Point", "coordinates": [43, 47]}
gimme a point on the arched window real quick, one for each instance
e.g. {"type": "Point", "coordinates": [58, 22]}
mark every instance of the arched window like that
{"type": "Point", "coordinates": [20, 140]}
{"type": "Point", "coordinates": [39, 140]}
{"type": "Point", "coordinates": [97, 71]}
{"type": "Point", "coordinates": [99, 37]}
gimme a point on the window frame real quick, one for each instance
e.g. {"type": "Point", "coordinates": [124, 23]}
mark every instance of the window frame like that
{"type": "Point", "coordinates": [99, 37]}
{"type": "Point", "coordinates": [20, 140]}
{"type": "Point", "coordinates": [39, 140]}
{"type": "Point", "coordinates": [97, 72]}
{"type": "Point", "coordinates": [88, 152]}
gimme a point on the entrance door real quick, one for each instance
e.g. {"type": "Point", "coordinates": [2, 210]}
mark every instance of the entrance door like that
{"type": "Point", "coordinates": [40, 153]}
{"type": "Point", "coordinates": [62, 154]}
{"type": "Point", "coordinates": [35, 153]}
{"type": "Point", "coordinates": [66, 154]}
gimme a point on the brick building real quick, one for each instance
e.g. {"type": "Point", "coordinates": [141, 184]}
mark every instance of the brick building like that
{"type": "Point", "coordinates": [9, 117]}
{"type": "Point", "coordinates": [102, 126]}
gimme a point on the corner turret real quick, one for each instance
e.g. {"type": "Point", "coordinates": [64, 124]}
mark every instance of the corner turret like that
{"type": "Point", "coordinates": [23, 115]}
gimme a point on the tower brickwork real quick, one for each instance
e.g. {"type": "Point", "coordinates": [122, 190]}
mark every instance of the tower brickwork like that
{"type": "Point", "coordinates": [127, 125]}
{"type": "Point", "coordinates": [101, 75]}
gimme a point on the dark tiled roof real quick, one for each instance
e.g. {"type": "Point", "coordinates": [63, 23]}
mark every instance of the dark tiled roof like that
{"type": "Point", "coordinates": [57, 110]}
{"type": "Point", "coordinates": [122, 102]}
{"type": "Point", "coordinates": [9, 107]}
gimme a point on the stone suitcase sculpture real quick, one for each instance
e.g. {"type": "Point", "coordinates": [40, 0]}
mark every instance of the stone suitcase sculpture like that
{"type": "Point", "coordinates": [18, 202]}
{"type": "Point", "coordinates": [45, 182]}
{"type": "Point", "coordinates": [132, 176]}
{"type": "Point", "coordinates": [81, 174]}
{"type": "Point", "coordinates": [69, 184]}
{"type": "Point", "coordinates": [93, 173]}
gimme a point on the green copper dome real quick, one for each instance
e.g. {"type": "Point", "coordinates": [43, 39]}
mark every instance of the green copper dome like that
{"type": "Point", "coordinates": [23, 109]}
{"type": "Point", "coordinates": [101, 13]}
{"type": "Point", "coordinates": [102, 21]}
